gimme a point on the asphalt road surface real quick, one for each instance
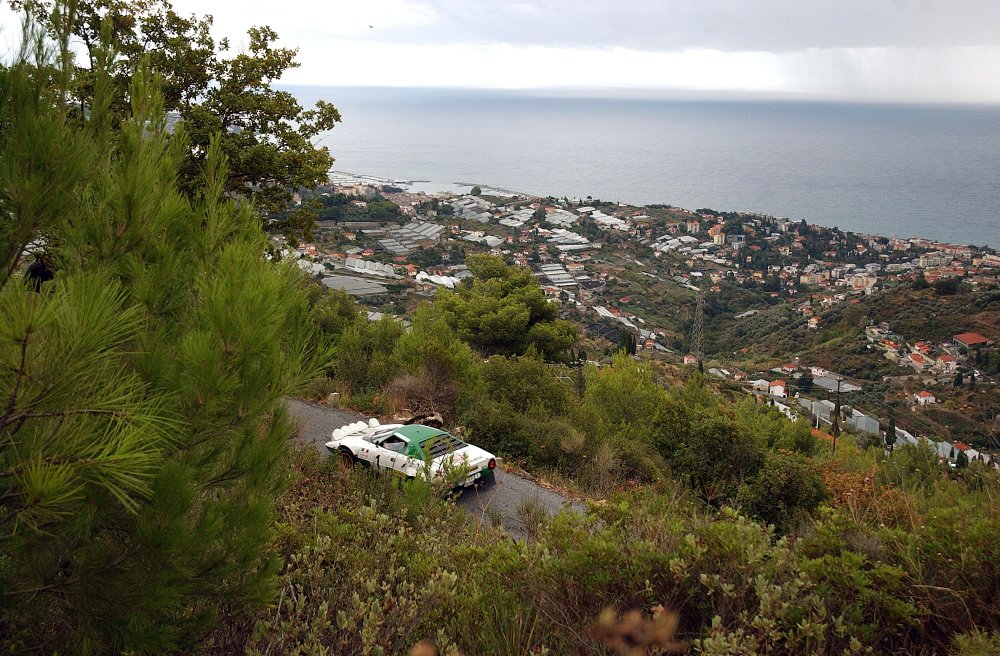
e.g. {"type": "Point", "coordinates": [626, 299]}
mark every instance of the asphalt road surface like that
{"type": "Point", "coordinates": [499, 500]}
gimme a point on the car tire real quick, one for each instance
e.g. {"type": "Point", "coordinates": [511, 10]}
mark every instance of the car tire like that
{"type": "Point", "coordinates": [347, 459]}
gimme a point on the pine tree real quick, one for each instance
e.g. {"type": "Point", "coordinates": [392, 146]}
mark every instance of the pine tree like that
{"type": "Point", "coordinates": [142, 429]}
{"type": "Point", "coordinates": [890, 429]}
{"type": "Point", "coordinates": [958, 379]}
{"type": "Point", "coordinates": [627, 342]}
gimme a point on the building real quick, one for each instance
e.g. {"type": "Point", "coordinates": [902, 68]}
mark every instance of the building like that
{"type": "Point", "coordinates": [862, 423]}
{"type": "Point", "coordinates": [971, 340]}
{"type": "Point", "coordinates": [889, 345]}
{"type": "Point", "coordinates": [962, 446]}
{"type": "Point", "coordinates": [829, 382]}
{"type": "Point", "coordinates": [918, 362]}
{"type": "Point", "coordinates": [924, 397]}
{"type": "Point", "coordinates": [947, 364]}
{"type": "Point", "coordinates": [777, 388]}
{"type": "Point", "coordinates": [355, 286]}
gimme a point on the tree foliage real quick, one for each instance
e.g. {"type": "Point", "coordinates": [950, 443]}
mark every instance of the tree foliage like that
{"type": "Point", "coordinates": [265, 134]}
{"type": "Point", "coordinates": [504, 312]}
{"type": "Point", "coordinates": [785, 489]}
{"type": "Point", "coordinates": [627, 342]}
{"type": "Point", "coordinates": [947, 286]}
{"type": "Point", "coordinates": [142, 429]}
{"type": "Point", "coordinates": [890, 429]}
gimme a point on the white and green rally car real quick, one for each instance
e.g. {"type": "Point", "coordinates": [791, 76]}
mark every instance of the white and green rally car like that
{"type": "Point", "coordinates": [412, 450]}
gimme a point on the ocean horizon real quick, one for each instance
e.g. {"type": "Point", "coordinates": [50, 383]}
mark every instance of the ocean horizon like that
{"type": "Point", "coordinates": [895, 170]}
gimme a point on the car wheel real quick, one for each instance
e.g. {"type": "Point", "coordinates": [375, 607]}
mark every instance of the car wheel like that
{"type": "Point", "coordinates": [347, 459]}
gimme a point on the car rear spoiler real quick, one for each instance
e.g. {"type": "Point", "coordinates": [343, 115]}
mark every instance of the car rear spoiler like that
{"type": "Point", "coordinates": [356, 427]}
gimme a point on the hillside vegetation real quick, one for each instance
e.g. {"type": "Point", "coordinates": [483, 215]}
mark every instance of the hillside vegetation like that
{"type": "Point", "coordinates": [151, 500]}
{"type": "Point", "coordinates": [921, 314]}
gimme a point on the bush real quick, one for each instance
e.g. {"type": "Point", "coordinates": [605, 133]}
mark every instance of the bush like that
{"type": "Point", "coordinates": [368, 561]}
{"type": "Point", "coordinates": [947, 286]}
{"type": "Point", "coordinates": [785, 491]}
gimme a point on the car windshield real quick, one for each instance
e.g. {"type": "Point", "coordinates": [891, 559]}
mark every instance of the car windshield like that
{"type": "Point", "coordinates": [394, 443]}
{"type": "Point", "coordinates": [375, 437]}
{"type": "Point", "coordinates": [441, 444]}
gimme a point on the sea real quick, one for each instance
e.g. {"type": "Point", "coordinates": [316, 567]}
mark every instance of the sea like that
{"type": "Point", "coordinates": [896, 170]}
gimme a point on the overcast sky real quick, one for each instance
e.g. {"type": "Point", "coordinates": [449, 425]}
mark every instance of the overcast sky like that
{"type": "Point", "coordinates": [905, 50]}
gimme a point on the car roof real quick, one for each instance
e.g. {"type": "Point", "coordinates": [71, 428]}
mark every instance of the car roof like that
{"type": "Point", "coordinates": [418, 433]}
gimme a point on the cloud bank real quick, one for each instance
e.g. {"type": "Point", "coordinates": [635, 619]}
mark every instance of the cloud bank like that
{"type": "Point", "coordinates": [868, 50]}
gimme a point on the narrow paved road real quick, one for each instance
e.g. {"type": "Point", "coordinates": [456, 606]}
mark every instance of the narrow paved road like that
{"type": "Point", "coordinates": [499, 500]}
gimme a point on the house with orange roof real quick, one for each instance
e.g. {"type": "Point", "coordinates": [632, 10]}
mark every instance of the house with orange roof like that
{"type": "Point", "coordinates": [889, 345]}
{"type": "Point", "coordinates": [971, 340]}
{"type": "Point", "coordinates": [946, 363]}
{"type": "Point", "coordinates": [923, 397]}
{"type": "Point", "coordinates": [918, 362]}
{"type": "Point", "coordinates": [777, 388]}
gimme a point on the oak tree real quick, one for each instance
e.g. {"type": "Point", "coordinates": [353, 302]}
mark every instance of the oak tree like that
{"type": "Point", "coordinates": [267, 137]}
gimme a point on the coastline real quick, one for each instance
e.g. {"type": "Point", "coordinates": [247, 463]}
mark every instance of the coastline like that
{"type": "Point", "coordinates": [891, 170]}
{"type": "Point", "coordinates": [435, 188]}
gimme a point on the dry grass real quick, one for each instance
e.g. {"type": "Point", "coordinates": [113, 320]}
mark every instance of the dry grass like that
{"type": "Point", "coordinates": [532, 515]}
{"type": "Point", "coordinates": [637, 633]}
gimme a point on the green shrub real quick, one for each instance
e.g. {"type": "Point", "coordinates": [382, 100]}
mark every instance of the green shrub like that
{"type": "Point", "coordinates": [785, 491]}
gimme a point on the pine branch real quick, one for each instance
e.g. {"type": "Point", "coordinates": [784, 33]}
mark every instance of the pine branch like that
{"type": "Point", "coordinates": [67, 581]}
{"type": "Point", "coordinates": [21, 374]}
{"type": "Point", "coordinates": [63, 414]}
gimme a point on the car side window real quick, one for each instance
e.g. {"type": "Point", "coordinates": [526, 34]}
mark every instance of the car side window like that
{"type": "Point", "coordinates": [394, 443]}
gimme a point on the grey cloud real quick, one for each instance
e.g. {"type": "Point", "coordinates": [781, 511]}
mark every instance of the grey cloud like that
{"type": "Point", "coordinates": [766, 25]}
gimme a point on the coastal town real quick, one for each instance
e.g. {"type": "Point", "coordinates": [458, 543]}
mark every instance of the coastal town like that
{"type": "Point", "coordinates": [683, 286]}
